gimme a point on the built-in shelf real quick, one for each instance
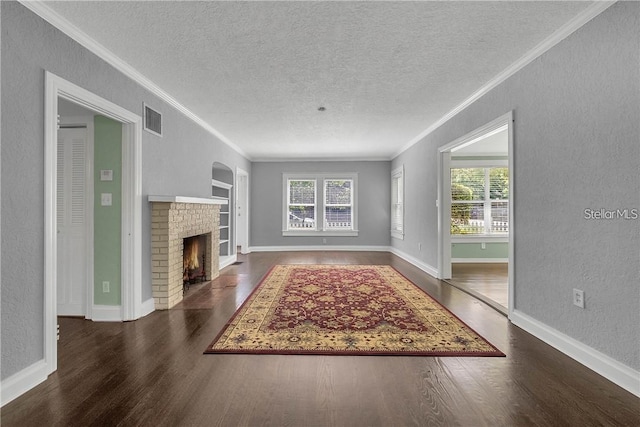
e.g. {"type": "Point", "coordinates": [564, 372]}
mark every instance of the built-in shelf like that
{"type": "Point", "coordinates": [221, 190]}
{"type": "Point", "coordinates": [220, 184]}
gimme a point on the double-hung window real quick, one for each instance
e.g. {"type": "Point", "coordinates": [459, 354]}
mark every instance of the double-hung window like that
{"type": "Point", "coordinates": [338, 204]}
{"type": "Point", "coordinates": [397, 203]}
{"type": "Point", "coordinates": [320, 204]}
{"type": "Point", "coordinates": [479, 200]}
{"type": "Point", "coordinates": [301, 204]}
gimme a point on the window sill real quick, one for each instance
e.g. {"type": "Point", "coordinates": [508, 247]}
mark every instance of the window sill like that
{"type": "Point", "coordinates": [330, 233]}
{"type": "Point", "coordinates": [479, 239]}
{"type": "Point", "coordinates": [397, 235]}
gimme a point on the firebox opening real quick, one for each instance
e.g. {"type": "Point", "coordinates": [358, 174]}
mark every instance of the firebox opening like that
{"type": "Point", "coordinates": [194, 255]}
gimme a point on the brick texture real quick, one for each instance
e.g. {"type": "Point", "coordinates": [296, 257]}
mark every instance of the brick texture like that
{"type": "Point", "coordinates": [170, 224]}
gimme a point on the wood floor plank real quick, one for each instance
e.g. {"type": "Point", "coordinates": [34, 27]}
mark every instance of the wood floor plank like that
{"type": "Point", "coordinates": [153, 371]}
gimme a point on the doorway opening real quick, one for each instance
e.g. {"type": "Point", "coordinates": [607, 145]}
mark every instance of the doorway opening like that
{"type": "Point", "coordinates": [242, 211]}
{"type": "Point", "coordinates": [475, 216]}
{"type": "Point", "coordinates": [129, 304]}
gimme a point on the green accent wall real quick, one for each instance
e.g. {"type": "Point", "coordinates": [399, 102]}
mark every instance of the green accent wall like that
{"type": "Point", "coordinates": [107, 154]}
{"type": "Point", "coordinates": [474, 250]}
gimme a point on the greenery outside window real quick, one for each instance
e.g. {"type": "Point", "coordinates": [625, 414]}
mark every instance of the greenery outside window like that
{"type": "Point", "coordinates": [480, 201]}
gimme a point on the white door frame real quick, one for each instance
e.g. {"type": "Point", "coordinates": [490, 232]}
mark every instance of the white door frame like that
{"type": "Point", "coordinates": [131, 306]}
{"type": "Point", "coordinates": [444, 198]}
{"type": "Point", "coordinates": [243, 222]}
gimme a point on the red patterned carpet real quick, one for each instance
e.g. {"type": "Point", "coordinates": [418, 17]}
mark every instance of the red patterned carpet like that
{"type": "Point", "coordinates": [345, 310]}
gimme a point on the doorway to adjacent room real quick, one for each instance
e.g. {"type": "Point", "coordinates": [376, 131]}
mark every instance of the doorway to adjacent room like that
{"type": "Point", "coordinates": [475, 213]}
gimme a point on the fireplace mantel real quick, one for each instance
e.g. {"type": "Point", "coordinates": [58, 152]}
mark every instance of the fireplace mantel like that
{"type": "Point", "coordinates": [187, 199]}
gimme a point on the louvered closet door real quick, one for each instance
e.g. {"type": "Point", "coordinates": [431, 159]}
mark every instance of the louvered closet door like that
{"type": "Point", "coordinates": [72, 223]}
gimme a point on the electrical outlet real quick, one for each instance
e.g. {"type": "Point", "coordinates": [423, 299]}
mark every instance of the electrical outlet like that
{"type": "Point", "coordinates": [105, 287]}
{"type": "Point", "coordinates": [483, 245]}
{"type": "Point", "coordinates": [420, 246]}
{"type": "Point", "coordinates": [106, 199]}
{"type": "Point", "coordinates": [324, 241]}
{"type": "Point", "coordinates": [578, 298]}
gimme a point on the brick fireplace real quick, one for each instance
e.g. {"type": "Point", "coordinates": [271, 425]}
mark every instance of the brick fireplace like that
{"type": "Point", "coordinates": [174, 218]}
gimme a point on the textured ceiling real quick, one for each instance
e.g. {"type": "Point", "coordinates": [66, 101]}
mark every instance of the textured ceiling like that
{"type": "Point", "coordinates": [257, 72]}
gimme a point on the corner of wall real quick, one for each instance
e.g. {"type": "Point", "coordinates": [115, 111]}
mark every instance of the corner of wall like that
{"type": "Point", "coordinates": [611, 369]}
{"type": "Point", "coordinates": [23, 381]}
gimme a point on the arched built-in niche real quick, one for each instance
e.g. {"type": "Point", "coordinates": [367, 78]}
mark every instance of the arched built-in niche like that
{"type": "Point", "coordinates": [221, 186]}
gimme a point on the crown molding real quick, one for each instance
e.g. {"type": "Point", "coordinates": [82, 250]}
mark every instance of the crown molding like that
{"type": "Point", "coordinates": [332, 159]}
{"type": "Point", "coordinates": [562, 33]}
{"type": "Point", "coordinates": [41, 9]}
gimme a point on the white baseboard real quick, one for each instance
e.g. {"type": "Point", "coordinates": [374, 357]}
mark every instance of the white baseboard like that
{"type": "Point", "coordinates": [480, 260]}
{"type": "Point", "coordinates": [106, 313]}
{"type": "Point", "coordinates": [429, 269]}
{"type": "Point", "coordinates": [71, 310]}
{"type": "Point", "coordinates": [319, 248]}
{"type": "Point", "coordinates": [147, 307]}
{"type": "Point", "coordinates": [23, 381]}
{"type": "Point", "coordinates": [611, 369]}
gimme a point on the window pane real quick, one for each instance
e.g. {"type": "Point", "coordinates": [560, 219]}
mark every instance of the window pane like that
{"type": "Point", "coordinates": [467, 184]}
{"type": "Point", "coordinates": [499, 183]}
{"type": "Point", "coordinates": [338, 217]}
{"type": "Point", "coordinates": [338, 192]}
{"type": "Point", "coordinates": [302, 217]}
{"type": "Point", "coordinates": [499, 217]}
{"type": "Point", "coordinates": [302, 192]}
{"type": "Point", "coordinates": [396, 217]}
{"type": "Point", "coordinates": [467, 218]}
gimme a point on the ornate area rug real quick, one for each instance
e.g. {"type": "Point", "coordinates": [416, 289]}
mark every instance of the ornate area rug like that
{"type": "Point", "coordinates": [345, 310]}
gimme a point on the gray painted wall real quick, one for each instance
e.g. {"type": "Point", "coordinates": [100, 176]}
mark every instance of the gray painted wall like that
{"type": "Point", "coordinates": [576, 146]}
{"type": "Point", "coordinates": [179, 163]}
{"type": "Point", "coordinates": [374, 201]}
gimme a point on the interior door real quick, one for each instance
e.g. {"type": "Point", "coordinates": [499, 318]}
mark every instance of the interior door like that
{"type": "Point", "coordinates": [242, 223]}
{"type": "Point", "coordinates": [71, 221]}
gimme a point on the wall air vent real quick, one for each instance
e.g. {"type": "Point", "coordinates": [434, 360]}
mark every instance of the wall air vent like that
{"type": "Point", "coordinates": [152, 121]}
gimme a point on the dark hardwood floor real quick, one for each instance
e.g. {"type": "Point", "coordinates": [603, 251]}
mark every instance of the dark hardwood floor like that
{"type": "Point", "coordinates": [152, 372]}
{"type": "Point", "coordinates": [487, 281]}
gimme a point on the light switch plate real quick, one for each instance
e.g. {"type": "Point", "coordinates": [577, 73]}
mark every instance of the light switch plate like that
{"type": "Point", "coordinates": [106, 175]}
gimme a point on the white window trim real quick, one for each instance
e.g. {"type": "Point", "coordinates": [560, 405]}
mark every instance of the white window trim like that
{"type": "Point", "coordinates": [320, 220]}
{"type": "Point", "coordinates": [286, 195]}
{"type": "Point", "coordinates": [466, 163]}
{"type": "Point", "coordinates": [325, 225]}
{"type": "Point", "coordinates": [485, 164]}
{"type": "Point", "coordinates": [397, 232]}
{"type": "Point", "coordinates": [478, 238]}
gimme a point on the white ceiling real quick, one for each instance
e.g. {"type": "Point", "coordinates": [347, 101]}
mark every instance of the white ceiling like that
{"type": "Point", "coordinates": [257, 72]}
{"type": "Point", "coordinates": [492, 144]}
